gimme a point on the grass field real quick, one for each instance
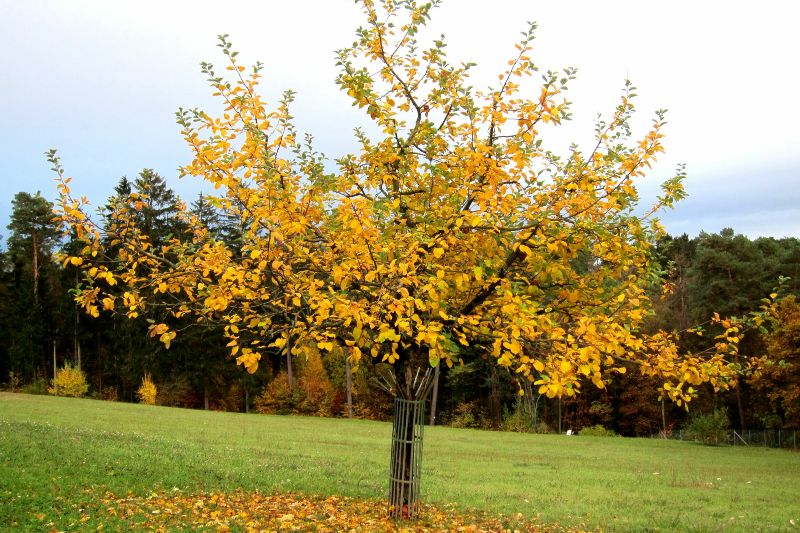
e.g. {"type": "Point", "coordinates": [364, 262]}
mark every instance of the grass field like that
{"type": "Point", "coordinates": [58, 454]}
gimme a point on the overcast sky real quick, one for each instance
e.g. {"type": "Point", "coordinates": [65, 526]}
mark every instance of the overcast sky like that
{"type": "Point", "coordinates": [100, 82]}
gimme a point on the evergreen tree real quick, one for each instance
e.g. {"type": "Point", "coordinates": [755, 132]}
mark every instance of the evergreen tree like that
{"type": "Point", "coordinates": [32, 327]}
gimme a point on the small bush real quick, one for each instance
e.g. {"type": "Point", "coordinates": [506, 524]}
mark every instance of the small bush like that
{"type": "Point", "coordinates": [278, 397]}
{"type": "Point", "coordinates": [229, 396]}
{"type": "Point", "coordinates": [467, 415]}
{"type": "Point", "coordinates": [69, 381]}
{"type": "Point", "coordinates": [108, 394]}
{"type": "Point", "coordinates": [317, 391]}
{"type": "Point", "coordinates": [597, 431]}
{"type": "Point", "coordinates": [147, 391]}
{"type": "Point", "coordinates": [176, 393]}
{"type": "Point", "coordinates": [520, 418]}
{"type": "Point", "coordinates": [710, 429]}
{"type": "Point", "coordinates": [14, 382]}
{"type": "Point", "coordinates": [37, 386]}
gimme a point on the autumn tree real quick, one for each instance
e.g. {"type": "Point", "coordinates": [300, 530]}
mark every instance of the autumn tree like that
{"type": "Point", "coordinates": [779, 381]}
{"type": "Point", "coordinates": [452, 227]}
{"type": "Point", "coordinates": [723, 273]}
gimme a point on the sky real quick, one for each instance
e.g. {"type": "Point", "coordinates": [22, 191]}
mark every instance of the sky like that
{"type": "Point", "coordinates": [100, 82]}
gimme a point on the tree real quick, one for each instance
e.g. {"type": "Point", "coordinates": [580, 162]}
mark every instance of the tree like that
{"type": "Point", "coordinates": [32, 327]}
{"type": "Point", "coordinates": [33, 233]}
{"type": "Point", "coordinates": [5, 316]}
{"type": "Point", "coordinates": [452, 228]}
{"type": "Point", "coordinates": [779, 380]}
{"type": "Point", "coordinates": [726, 274]}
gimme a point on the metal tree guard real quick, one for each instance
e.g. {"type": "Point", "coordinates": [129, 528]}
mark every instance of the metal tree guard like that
{"type": "Point", "coordinates": [406, 459]}
{"type": "Point", "coordinates": [405, 465]}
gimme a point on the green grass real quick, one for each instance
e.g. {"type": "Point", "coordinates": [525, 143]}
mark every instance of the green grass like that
{"type": "Point", "coordinates": [57, 455]}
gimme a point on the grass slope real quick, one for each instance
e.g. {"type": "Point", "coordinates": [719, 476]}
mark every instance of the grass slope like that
{"type": "Point", "coordinates": [57, 454]}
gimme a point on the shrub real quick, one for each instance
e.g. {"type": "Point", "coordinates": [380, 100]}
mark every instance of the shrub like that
{"type": "Point", "coordinates": [176, 393]}
{"type": "Point", "coordinates": [597, 431]}
{"type": "Point", "coordinates": [228, 396]}
{"type": "Point", "coordinates": [147, 391]}
{"type": "Point", "coordinates": [521, 419]}
{"type": "Point", "coordinates": [37, 386]}
{"type": "Point", "coordinates": [317, 391]}
{"type": "Point", "coordinates": [69, 381]}
{"type": "Point", "coordinates": [467, 415]}
{"type": "Point", "coordinates": [710, 429]}
{"type": "Point", "coordinates": [13, 382]}
{"type": "Point", "coordinates": [109, 394]}
{"type": "Point", "coordinates": [278, 397]}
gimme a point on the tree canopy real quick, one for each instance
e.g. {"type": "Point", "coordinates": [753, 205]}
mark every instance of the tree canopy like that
{"type": "Point", "coordinates": [451, 232]}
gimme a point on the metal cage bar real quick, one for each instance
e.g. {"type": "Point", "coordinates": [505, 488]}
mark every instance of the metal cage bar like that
{"type": "Point", "coordinates": [405, 466]}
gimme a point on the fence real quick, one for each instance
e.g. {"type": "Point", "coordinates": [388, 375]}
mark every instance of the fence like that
{"type": "Point", "coordinates": [767, 438]}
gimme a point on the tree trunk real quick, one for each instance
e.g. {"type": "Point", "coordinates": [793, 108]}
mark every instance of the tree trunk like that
{"type": "Point", "coordinates": [75, 329]}
{"type": "Point", "coordinates": [739, 401]}
{"type": "Point", "coordinates": [494, 398]}
{"type": "Point", "coordinates": [35, 268]}
{"type": "Point", "coordinates": [349, 379]}
{"type": "Point", "coordinates": [289, 368]}
{"type": "Point", "coordinates": [559, 414]}
{"type": "Point", "coordinates": [405, 466]}
{"type": "Point", "coordinates": [435, 395]}
{"type": "Point", "coordinates": [740, 405]}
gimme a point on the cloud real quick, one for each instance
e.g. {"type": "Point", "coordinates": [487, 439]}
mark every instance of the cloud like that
{"type": "Point", "coordinates": [754, 200]}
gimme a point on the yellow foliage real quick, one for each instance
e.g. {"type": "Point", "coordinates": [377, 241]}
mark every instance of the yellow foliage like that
{"type": "Point", "coordinates": [69, 381]}
{"type": "Point", "coordinates": [451, 227]}
{"type": "Point", "coordinates": [147, 391]}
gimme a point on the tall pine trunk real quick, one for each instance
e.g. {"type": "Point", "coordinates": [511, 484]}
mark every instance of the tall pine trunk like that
{"type": "Point", "coordinates": [35, 268]}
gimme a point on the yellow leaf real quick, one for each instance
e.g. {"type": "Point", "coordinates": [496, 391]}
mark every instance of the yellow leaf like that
{"type": "Point", "coordinates": [158, 329]}
{"type": "Point", "coordinates": [280, 342]}
{"type": "Point", "coordinates": [167, 337]}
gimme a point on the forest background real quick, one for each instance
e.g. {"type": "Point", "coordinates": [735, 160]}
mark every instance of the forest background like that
{"type": "Point", "coordinates": [43, 330]}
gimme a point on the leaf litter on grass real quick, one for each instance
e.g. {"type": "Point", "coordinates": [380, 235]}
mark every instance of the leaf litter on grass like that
{"type": "Point", "coordinates": [254, 511]}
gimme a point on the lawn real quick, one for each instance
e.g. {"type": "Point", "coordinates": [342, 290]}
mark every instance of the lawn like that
{"type": "Point", "coordinates": [59, 456]}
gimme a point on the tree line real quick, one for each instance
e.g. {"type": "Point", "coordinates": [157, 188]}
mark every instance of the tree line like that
{"type": "Point", "coordinates": [43, 329]}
